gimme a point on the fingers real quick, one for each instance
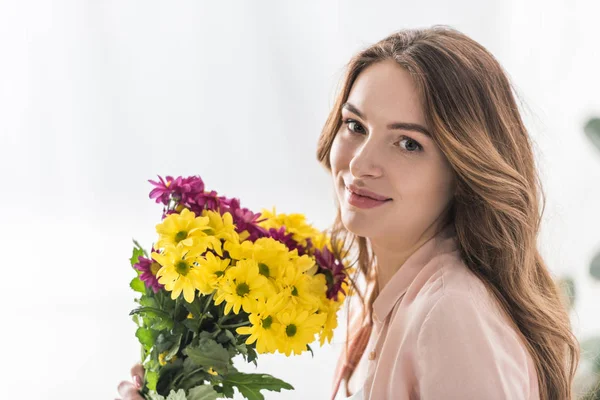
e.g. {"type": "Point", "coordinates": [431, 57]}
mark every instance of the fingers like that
{"type": "Point", "coordinates": [137, 374]}
{"type": "Point", "coordinates": [128, 391]}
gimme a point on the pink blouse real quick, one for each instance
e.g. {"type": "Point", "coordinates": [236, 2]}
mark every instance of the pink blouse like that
{"type": "Point", "coordinates": [439, 334]}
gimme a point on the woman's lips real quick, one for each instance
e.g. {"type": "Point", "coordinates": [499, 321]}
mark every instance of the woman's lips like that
{"type": "Point", "coordinates": [359, 201]}
{"type": "Point", "coordinates": [365, 193]}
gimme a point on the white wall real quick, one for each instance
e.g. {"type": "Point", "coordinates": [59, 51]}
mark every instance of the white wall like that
{"type": "Point", "coordinates": [96, 97]}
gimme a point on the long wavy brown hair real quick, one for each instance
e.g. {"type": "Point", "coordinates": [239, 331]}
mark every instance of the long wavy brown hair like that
{"type": "Point", "coordinates": [474, 118]}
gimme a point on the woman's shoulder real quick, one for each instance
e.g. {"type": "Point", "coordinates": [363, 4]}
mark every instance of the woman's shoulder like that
{"type": "Point", "coordinates": [453, 278]}
{"type": "Point", "coordinates": [453, 287]}
{"type": "Point", "coordinates": [462, 331]}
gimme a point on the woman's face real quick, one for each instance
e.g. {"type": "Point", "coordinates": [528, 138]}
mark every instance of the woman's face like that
{"type": "Point", "coordinates": [383, 147]}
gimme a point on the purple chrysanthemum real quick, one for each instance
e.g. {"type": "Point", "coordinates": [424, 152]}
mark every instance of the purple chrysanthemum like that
{"type": "Point", "coordinates": [287, 239]}
{"type": "Point", "coordinates": [148, 269]}
{"type": "Point", "coordinates": [243, 218]}
{"type": "Point", "coordinates": [186, 191]}
{"type": "Point", "coordinates": [203, 201]}
{"type": "Point", "coordinates": [163, 188]}
{"type": "Point", "coordinates": [190, 193]}
{"type": "Point", "coordinates": [190, 189]}
{"type": "Point", "coordinates": [333, 270]}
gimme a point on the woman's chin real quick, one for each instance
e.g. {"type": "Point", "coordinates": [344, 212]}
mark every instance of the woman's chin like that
{"type": "Point", "coordinates": [357, 225]}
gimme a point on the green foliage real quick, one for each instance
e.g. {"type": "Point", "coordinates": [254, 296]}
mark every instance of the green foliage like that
{"type": "Point", "coordinates": [210, 354]}
{"type": "Point", "coordinates": [592, 130]}
{"type": "Point", "coordinates": [250, 385]}
{"type": "Point", "coordinates": [137, 252]}
{"type": "Point", "coordinates": [137, 285]}
{"type": "Point", "coordinates": [202, 392]}
{"type": "Point", "coordinates": [187, 348]}
{"type": "Point", "coordinates": [567, 286]}
{"type": "Point", "coordinates": [595, 267]}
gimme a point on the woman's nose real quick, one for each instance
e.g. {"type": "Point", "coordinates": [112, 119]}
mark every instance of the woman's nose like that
{"type": "Point", "coordinates": [366, 161]}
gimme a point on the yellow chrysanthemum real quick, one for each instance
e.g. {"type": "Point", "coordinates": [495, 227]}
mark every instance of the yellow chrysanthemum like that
{"type": "Point", "coordinates": [211, 272]}
{"type": "Point", "coordinates": [178, 272]}
{"type": "Point", "coordinates": [331, 322]}
{"type": "Point", "coordinates": [321, 240]}
{"type": "Point", "coordinates": [239, 251]}
{"type": "Point", "coordinates": [182, 230]}
{"type": "Point", "coordinates": [294, 223]}
{"type": "Point", "coordinates": [272, 257]}
{"type": "Point", "coordinates": [222, 226]}
{"type": "Point", "coordinates": [242, 287]}
{"type": "Point", "coordinates": [265, 329]}
{"type": "Point", "coordinates": [301, 289]}
{"type": "Point", "coordinates": [299, 329]}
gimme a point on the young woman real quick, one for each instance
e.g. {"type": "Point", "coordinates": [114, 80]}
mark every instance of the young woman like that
{"type": "Point", "coordinates": [439, 194]}
{"type": "Point", "coordinates": [437, 187]}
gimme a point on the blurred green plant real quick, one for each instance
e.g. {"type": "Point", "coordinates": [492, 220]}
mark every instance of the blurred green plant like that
{"type": "Point", "coordinates": [592, 130]}
{"type": "Point", "coordinates": [587, 379]}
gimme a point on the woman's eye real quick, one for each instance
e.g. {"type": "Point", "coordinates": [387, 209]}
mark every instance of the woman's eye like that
{"type": "Point", "coordinates": [412, 145]}
{"type": "Point", "coordinates": [352, 123]}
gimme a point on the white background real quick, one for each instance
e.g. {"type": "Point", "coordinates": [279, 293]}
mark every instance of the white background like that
{"type": "Point", "coordinates": [96, 97]}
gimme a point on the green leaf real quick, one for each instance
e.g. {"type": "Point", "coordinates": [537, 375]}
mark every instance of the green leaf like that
{"type": "Point", "coordinates": [164, 342]}
{"type": "Point", "coordinates": [208, 353]}
{"type": "Point", "coordinates": [159, 319]}
{"type": "Point", "coordinates": [137, 252]}
{"type": "Point", "coordinates": [151, 379]}
{"type": "Point", "coordinates": [226, 391]}
{"type": "Point", "coordinates": [148, 301]}
{"type": "Point", "coordinates": [174, 349]}
{"type": "Point", "coordinates": [194, 307]}
{"type": "Point", "coordinates": [242, 349]}
{"type": "Point", "coordinates": [252, 355]}
{"type": "Point", "coordinates": [167, 375]}
{"type": "Point", "coordinates": [179, 395]}
{"type": "Point", "coordinates": [146, 337]}
{"type": "Point", "coordinates": [193, 324]}
{"type": "Point", "coordinates": [203, 392]}
{"type": "Point", "coordinates": [250, 385]}
{"type": "Point", "coordinates": [592, 130]}
{"type": "Point", "coordinates": [137, 285]}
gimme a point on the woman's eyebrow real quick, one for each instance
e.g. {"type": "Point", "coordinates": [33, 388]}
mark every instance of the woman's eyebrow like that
{"type": "Point", "coordinates": [396, 125]}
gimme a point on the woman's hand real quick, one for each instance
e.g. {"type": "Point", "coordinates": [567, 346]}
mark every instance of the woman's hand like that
{"type": "Point", "coordinates": [129, 390]}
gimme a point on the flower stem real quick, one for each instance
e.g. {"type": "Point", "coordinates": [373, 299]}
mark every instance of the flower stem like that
{"type": "Point", "coordinates": [235, 325]}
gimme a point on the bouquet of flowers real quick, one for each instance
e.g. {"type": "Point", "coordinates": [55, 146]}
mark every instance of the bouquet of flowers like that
{"type": "Point", "coordinates": [222, 281]}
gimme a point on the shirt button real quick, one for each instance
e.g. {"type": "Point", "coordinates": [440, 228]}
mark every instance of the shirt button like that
{"type": "Point", "coordinates": [372, 355]}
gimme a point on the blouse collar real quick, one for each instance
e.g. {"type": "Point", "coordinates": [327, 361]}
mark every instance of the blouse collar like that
{"type": "Point", "coordinates": [443, 242]}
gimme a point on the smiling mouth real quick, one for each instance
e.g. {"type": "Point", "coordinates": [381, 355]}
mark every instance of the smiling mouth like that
{"type": "Point", "coordinates": [364, 202]}
{"type": "Point", "coordinates": [364, 196]}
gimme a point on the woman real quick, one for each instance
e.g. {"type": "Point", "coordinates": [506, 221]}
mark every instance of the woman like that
{"type": "Point", "coordinates": [437, 189]}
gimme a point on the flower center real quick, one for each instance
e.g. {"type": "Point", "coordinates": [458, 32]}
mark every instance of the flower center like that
{"type": "Point", "coordinates": [181, 236]}
{"type": "Point", "coordinates": [154, 267]}
{"type": "Point", "coordinates": [294, 291]}
{"type": "Point", "coordinates": [219, 273]}
{"type": "Point", "coordinates": [242, 289]}
{"type": "Point", "coordinates": [266, 323]}
{"type": "Point", "coordinates": [264, 269]}
{"type": "Point", "coordinates": [182, 268]}
{"type": "Point", "coordinates": [290, 330]}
